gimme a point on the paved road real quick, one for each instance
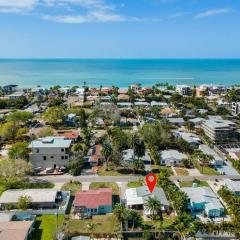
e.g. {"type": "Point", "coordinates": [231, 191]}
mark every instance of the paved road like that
{"type": "Point", "coordinates": [89, 179]}
{"type": "Point", "coordinates": [66, 178]}
{"type": "Point", "coordinates": [204, 177]}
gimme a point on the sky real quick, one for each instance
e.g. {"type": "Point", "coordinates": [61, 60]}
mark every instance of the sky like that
{"type": "Point", "coordinates": [119, 28]}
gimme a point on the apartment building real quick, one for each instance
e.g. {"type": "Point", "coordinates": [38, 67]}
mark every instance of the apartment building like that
{"type": "Point", "coordinates": [184, 90]}
{"type": "Point", "coordinates": [219, 130]}
{"type": "Point", "coordinates": [235, 108]}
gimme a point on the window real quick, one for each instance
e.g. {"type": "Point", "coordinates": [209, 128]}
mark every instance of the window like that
{"type": "Point", "coordinates": [52, 157]}
{"type": "Point", "coordinates": [62, 157]}
{"type": "Point", "coordinates": [62, 149]}
{"type": "Point", "coordinates": [44, 158]}
{"type": "Point", "coordinates": [37, 150]}
{"type": "Point", "coordinates": [95, 210]}
{"type": "Point", "coordinates": [92, 210]}
{"type": "Point", "coordinates": [66, 157]}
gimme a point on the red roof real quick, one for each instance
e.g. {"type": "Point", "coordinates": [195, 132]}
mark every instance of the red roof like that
{"type": "Point", "coordinates": [71, 135]}
{"type": "Point", "coordinates": [94, 198]}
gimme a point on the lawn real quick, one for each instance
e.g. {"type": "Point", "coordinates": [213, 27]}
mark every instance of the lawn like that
{"type": "Point", "coordinates": [181, 171]}
{"type": "Point", "coordinates": [114, 186]}
{"type": "Point", "coordinates": [166, 224]}
{"type": "Point", "coordinates": [73, 187]}
{"type": "Point", "coordinates": [205, 170]}
{"type": "Point", "coordinates": [157, 168]}
{"type": "Point", "coordinates": [105, 224]}
{"type": "Point", "coordinates": [45, 227]}
{"type": "Point", "coordinates": [190, 183]}
{"type": "Point", "coordinates": [135, 184]}
{"type": "Point", "coordinates": [113, 171]}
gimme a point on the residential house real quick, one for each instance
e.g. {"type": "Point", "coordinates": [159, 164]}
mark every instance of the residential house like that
{"type": "Point", "coordinates": [203, 199]}
{"type": "Point", "coordinates": [136, 197]}
{"type": "Point", "coordinates": [123, 97]}
{"type": "Point", "coordinates": [135, 87]}
{"type": "Point", "coordinates": [95, 155]}
{"type": "Point", "coordinates": [73, 136]}
{"type": "Point", "coordinates": [233, 186]}
{"type": "Point", "coordinates": [15, 95]}
{"type": "Point", "coordinates": [192, 139]}
{"type": "Point", "coordinates": [16, 230]}
{"type": "Point", "coordinates": [197, 122]}
{"type": "Point", "coordinates": [127, 105]}
{"type": "Point", "coordinates": [159, 104]}
{"type": "Point", "coordinates": [8, 89]}
{"type": "Point", "coordinates": [128, 157]}
{"type": "Point", "coordinates": [50, 152]}
{"type": "Point", "coordinates": [92, 202]}
{"type": "Point", "coordinates": [40, 198]}
{"type": "Point", "coordinates": [219, 130]}
{"type": "Point", "coordinates": [71, 120]}
{"type": "Point", "coordinates": [176, 121]}
{"type": "Point", "coordinates": [169, 112]}
{"type": "Point", "coordinates": [217, 160]}
{"type": "Point", "coordinates": [171, 157]}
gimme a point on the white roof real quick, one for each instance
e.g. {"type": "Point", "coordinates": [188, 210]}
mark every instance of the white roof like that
{"type": "Point", "coordinates": [209, 151]}
{"type": "Point", "coordinates": [166, 154]}
{"type": "Point", "coordinates": [137, 196]}
{"type": "Point", "coordinates": [232, 185]}
{"type": "Point", "coordinates": [218, 123]}
{"type": "Point", "coordinates": [36, 195]}
{"type": "Point", "coordinates": [129, 153]}
{"type": "Point", "coordinates": [50, 142]}
{"type": "Point", "coordinates": [188, 137]}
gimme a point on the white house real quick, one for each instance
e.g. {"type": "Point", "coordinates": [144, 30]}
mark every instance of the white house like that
{"type": "Point", "coordinates": [233, 186]}
{"type": "Point", "coordinates": [136, 197]}
{"type": "Point", "coordinates": [171, 157]}
{"type": "Point", "coordinates": [192, 139]}
{"type": "Point", "coordinates": [128, 157]}
{"type": "Point", "coordinates": [50, 152]}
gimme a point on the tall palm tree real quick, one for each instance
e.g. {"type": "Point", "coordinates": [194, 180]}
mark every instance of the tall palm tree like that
{"type": "Point", "coordinates": [134, 216]}
{"type": "Point", "coordinates": [79, 148]}
{"type": "Point", "coordinates": [138, 165]}
{"type": "Point", "coordinates": [107, 152]}
{"type": "Point", "coordinates": [118, 211]}
{"type": "Point", "coordinates": [154, 205]}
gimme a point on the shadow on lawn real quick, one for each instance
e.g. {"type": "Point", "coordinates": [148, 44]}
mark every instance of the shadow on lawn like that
{"type": "Point", "coordinates": [37, 233]}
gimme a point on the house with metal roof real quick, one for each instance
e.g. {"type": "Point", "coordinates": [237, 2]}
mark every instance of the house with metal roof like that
{"type": "Point", "coordinates": [50, 152]}
{"type": "Point", "coordinates": [203, 199]}
{"type": "Point", "coordinates": [171, 157]}
{"type": "Point", "coordinates": [233, 186]}
{"type": "Point", "coordinates": [217, 160]}
{"type": "Point", "coordinates": [128, 157]}
{"type": "Point", "coordinates": [136, 197]}
{"type": "Point", "coordinates": [40, 198]}
{"type": "Point", "coordinates": [192, 139]}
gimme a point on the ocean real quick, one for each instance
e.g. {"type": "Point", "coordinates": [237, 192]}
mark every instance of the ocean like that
{"type": "Point", "coordinates": [118, 72]}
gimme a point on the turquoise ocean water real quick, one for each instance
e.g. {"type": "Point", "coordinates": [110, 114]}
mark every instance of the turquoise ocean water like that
{"type": "Point", "coordinates": [108, 72]}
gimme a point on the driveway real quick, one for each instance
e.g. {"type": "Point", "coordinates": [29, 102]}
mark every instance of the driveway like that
{"type": "Point", "coordinates": [227, 169]}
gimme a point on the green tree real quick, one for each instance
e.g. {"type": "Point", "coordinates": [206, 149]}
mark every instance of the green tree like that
{"type": "Point", "coordinates": [54, 115]}
{"type": "Point", "coordinates": [45, 132]}
{"type": "Point", "coordinates": [138, 165]}
{"type": "Point", "coordinates": [82, 118]}
{"type": "Point", "coordinates": [20, 117]}
{"type": "Point", "coordinates": [19, 150]}
{"type": "Point", "coordinates": [153, 205]}
{"type": "Point", "coordinates": [91, 227]}
{"type": "Point", "coordinates": [24, 202]}
{"type": "Point", "coordinates": [8, 130]}
{"type": "Point", "coordinates": [12, 171]}
{"type": "Point", "coordinates": [107, 152]}
{"type": "Point", "coordinates": [118, 211]}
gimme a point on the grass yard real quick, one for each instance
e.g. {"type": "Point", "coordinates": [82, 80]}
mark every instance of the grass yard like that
{"type": "Point", "coordinates": [114, 186]}
{"type": "Point", "coordinates": [113, 171]}
{"type": "Point", "coordinates": [205, 170]}
{"type": "Point", "coordinates": [167, 222]}
{"type": "Point", "coordinates": [157, 168]}
{"type": "Point", "coordinates": [135, 184]}
{"type": "Point", "coordinates": [181, 171]}
{"type": "Point", "coordinates": [45, 227]}
{"type": "Point", "coordinates": [105, 224]}
{"type": "Point", "coordinates": [190, 183]}
{"type": "Point", "coordinates": [73, 187]}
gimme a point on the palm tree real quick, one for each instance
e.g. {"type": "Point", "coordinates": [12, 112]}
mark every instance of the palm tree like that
{"type": "Point", "coordinates": [153, 205]}
{"type": "Point", "coordinates": [79, 148]}
{"type": "Point", "coordinates": [118, 211]}
{"type": "Point", "coordinates": [107, 152]}
{"type": "Point", "coordinates": [134, 216]}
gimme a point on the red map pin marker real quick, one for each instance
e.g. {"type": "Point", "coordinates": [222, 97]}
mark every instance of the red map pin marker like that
{"type": "Point", "coordinates": [151, 180]}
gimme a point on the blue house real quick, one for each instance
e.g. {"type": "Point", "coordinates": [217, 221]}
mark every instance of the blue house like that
{"type": "Point", "coordinates": [203, 199]}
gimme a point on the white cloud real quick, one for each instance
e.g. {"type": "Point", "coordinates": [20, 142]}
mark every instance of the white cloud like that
{"type": "Point", "coordinates": [17, 5]}
{"type": "Point", "coordinates": [213, 12]}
